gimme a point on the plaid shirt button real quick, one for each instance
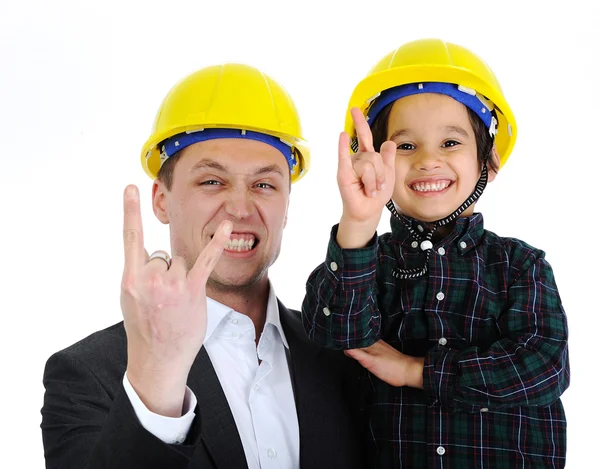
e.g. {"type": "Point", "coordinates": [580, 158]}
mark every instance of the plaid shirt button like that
{"type": "Point", "coordinates": [414, 245]}
{"type": "Point", "coordinates": [463, 245]}
{"type": "Point", "coordinates": [333, 266]}
{"type": "Point", "coordinates": [441, 251]}
{"type": "Point", "coordinates": [442, 341]}
{"type": "Point", "coordinates": [484, 409]}
{"type": "Point", "coordinates": [441, 450]}
{"type": "Point", "coordinates": [326, 311]}
{"type": "Point", "coordinates": [440, 296]}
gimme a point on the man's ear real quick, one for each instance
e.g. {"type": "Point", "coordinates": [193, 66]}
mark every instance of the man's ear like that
{"type": "Point", "coordinates": [159, 201]}
{"type": "Point", "coordinates": [496, 159]}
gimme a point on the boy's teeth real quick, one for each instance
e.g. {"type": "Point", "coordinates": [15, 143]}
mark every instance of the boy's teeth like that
{"type": "Point", "coordinates": [430, 186]}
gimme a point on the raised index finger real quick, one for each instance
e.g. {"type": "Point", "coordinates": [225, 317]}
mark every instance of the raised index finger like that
{"type": "Point", "coordinates": [210, 255]}
{"type": "Point", "coordinates": [363, 131]}
{"type": "Point", "coordinates": [133, 236]}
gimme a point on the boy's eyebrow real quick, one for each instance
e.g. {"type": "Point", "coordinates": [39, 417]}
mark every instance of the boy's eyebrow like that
{"type": "Point", "coordinates": [458, 130]}
{"type": "Point", "coordinates": [399, 133]}
{"type": "Point", "coordinates": [448, 128]}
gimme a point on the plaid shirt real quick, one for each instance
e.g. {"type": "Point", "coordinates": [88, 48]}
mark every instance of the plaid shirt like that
{"type": "Point", "coordinates": [488, 319]}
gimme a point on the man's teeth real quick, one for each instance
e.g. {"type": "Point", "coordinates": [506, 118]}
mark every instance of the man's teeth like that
{"type": "Point", "coordinates": [239, 244]}
{"type": "Point", "coordinates": [430, 186]}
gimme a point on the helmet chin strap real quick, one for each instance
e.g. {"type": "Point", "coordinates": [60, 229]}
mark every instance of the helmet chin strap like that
{"type": "Point", "coordinates": [425, 238]}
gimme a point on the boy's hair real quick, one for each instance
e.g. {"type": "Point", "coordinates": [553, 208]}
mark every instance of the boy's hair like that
{"type": "Point", "coordinates": [484, 141]}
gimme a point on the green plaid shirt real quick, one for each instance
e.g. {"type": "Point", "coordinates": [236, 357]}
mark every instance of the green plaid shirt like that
{"type": "Point", "coordinates": [488, 319]}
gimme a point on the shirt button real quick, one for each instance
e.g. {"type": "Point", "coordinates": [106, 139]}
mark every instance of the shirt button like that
{"type": "Point", "coordinates": [440, 296]}
{"type": "Point", "coordinates": [441, 251]}
{"type": "Point", "coordinates": [326, 311]}
{"type": "Point", "coordinates": [333, 266]}
{"type": "Point", "coordinates": [442, 341]}
{"type": "Point", "coordinates": [484, 409]}
{"type": "Point", "coordinates": [236, 335]}
{"type": "Point", "coordinates": [257, 387]}
{"type": "Point", "coordinates": [414, 245]}
{"type": "Point", "coordinates": [463, 245]}
{"type": "Point", "coordinates": [441, 450]}
{"type": "Point", "coordinates": [271, 453]}
{"type": "Point", "coordinates": [234, 321]}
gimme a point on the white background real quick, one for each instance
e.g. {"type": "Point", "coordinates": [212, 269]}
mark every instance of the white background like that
{"type": "Point", "coordinates": [80, 83]}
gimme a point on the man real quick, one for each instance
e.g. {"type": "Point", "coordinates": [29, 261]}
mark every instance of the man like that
{"type": "Point", "coordinates": [208, 369]}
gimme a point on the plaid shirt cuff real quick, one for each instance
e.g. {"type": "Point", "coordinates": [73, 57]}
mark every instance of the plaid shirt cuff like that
{"type": "Point", "coordinates": [351, 268]}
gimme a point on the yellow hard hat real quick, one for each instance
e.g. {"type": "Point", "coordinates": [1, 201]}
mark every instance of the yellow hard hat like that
{"type": "Point", "coordinates": [229, 96]}
{"type": "Point", "coordinates": [434, 60]}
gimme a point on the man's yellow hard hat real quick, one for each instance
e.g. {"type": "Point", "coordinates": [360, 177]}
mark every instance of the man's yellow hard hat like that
{"type": "Point", "coordinates": [229, 96]}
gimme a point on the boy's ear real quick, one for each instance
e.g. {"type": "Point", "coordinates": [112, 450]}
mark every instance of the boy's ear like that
{"type": "Point", "coordinates": [496, 159]}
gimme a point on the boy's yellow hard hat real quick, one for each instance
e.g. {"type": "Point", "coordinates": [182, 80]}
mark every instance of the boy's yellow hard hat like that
{"type": "Point", "coordinates": [229, 96]}
{"type": "Point", "coordinates": [434, 60]}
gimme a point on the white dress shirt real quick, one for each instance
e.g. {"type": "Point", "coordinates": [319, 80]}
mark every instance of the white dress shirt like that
{"type": "Point", "coordinates": [260, 396]}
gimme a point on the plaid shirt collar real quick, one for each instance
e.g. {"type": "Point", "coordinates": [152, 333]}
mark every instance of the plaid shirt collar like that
{"type": "Point", "coordinates": [466, 233]}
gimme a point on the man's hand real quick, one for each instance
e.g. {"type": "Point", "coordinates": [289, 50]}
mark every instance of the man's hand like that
{"type": "Point", "coordinates": [164, 311]}
{"type": "Point", "coordinates": [390, 365]}
{"type": "Point", "coordinates": [366, 182]}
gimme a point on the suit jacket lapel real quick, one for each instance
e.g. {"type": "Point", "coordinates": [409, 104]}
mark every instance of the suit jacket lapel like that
{"type": "Point", "coordinates": [217, 426]}
{"type": "Point", "coordinates": [308, 388]}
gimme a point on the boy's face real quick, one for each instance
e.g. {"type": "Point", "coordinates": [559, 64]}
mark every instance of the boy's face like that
{"type": "Point", "coordinates": [436, 159]}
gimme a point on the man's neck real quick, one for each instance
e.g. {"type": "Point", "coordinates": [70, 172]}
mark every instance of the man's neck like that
{"type": "Point", "coordinates": [251, 300]}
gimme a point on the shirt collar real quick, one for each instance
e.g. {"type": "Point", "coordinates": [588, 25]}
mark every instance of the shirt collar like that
{"type": "Point", "coordinates": [466, 233]}
{"type": "Point", "coordinates": [217, 312]}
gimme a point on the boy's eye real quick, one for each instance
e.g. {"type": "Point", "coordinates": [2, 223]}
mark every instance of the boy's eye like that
{"type": "Point", "coordinates": [450, 143]}
{"type": "Point", "coordinates": [406, 146]}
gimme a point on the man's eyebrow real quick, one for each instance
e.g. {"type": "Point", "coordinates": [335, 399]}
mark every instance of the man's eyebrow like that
{"type": "Point", "coordinates": [273, 168]}
{"type": "Point", "coordinates": [208, 164]}
{"type": "Point", "coordinates": [212, 164]}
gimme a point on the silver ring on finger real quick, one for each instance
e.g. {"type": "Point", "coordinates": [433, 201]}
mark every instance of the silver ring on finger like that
{"type": "Point", "coordinates": [161, 255]}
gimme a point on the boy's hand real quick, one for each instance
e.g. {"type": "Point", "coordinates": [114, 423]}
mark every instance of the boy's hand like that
{"type": "Point", "coordinates": [366, 182]}
{"type": "Point", "coordinates": [390, 365]}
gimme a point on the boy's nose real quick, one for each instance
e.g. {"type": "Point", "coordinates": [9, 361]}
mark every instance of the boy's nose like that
{"type": "Point", "coordinates": [428, 163]}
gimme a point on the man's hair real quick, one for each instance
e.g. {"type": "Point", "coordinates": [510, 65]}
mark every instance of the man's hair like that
{"type": "Point", "coordinates": [165, 173]}
{"type": "Point", "coordinates": [484, 141]}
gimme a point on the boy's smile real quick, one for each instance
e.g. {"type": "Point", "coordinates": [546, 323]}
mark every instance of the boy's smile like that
{"type": "Point", "coordinates": [436, 160]}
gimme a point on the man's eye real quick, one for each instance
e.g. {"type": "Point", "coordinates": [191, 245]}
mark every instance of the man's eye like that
{"type": "Point", "coordinates": [450, 143]}
{"type": "Point", "coordinates": [210, 182]}
{"type": "Point", "coordinates": [406, 146]}
{"type": "Point", "coordinates": [264, 185]}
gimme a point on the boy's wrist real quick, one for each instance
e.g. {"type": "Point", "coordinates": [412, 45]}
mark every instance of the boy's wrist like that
{"type": "Point", "coordinates": [354, 234]}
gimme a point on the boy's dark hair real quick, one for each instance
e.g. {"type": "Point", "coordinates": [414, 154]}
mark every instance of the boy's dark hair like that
{"type": "Point", "coordinates": [484, 141]}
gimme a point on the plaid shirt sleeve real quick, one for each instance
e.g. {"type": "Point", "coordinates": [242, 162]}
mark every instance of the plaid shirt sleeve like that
{"type": "Point", "coordinates": [528, 366]}
{"type": "Point", "coordinates": [340, 308]}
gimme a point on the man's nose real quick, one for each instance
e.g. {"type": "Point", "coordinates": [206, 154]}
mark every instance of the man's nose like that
{"type": "Point", "coordinates": [239, 204]}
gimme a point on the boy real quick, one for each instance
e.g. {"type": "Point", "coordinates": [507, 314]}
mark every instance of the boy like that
{"type": "Point", "coordinates": [462, 332]}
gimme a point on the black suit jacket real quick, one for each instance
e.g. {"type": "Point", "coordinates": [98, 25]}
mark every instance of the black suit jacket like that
{"type": "Point", "coordinates": [88, 420]}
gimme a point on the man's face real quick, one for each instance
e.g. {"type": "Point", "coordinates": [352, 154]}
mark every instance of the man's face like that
{"type": "Point", "coordinates": [436, 161]}
{"type": "Point", "coordinates": [244, 181]}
